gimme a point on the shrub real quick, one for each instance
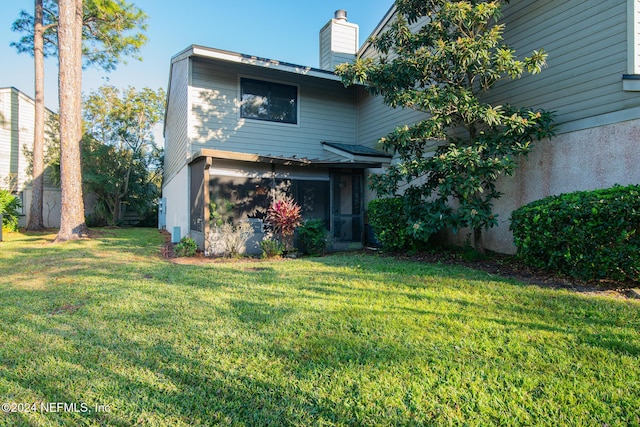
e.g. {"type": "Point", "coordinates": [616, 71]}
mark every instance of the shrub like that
{"type": "Point", "coordinates": [587, 234]}
{"type": "Point", "coordinates": [271, 248]}
{"type": "Point", "coordinates": [227, 240]}
{"type": "Point", "coordinates": [388, 218]}
{"type": "Point", "coordinates": [9, 209]}
{"type": "Point", "coordinates": [284, 216]}
{"type": "Point", "coordinates": [186, 247]}
{"type": "Point", "coordinates": [314, 237]}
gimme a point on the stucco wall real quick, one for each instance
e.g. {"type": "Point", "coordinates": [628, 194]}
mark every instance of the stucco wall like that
{"type": "Point", "coordinates": [592, 158]}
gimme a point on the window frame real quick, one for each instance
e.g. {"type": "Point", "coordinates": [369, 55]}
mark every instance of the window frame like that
{"type": "Point", "coordinates": [269, 84]}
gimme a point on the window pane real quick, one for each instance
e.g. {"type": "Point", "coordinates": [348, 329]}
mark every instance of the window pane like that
{"type": "Point", "coordinates": [283, 103]}
{"type": "Point", "coordinates": [269, 101]}
{"type": "Point", "coordinates": [255, 100]}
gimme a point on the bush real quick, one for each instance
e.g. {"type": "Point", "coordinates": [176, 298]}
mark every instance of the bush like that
{"type": "Point", "coordinates": [388, 218]}
{"type": "Point", "coordinates": [186, 247]}
{"type": "Point", "coordinates": [227, 240]}
{"type": "Point", "coordinates": [587, 234]}
{"type": "Point", "coordinates": [271, 248]}
{"type": "Point", "coordinates": [9, 209]}
{"type": "Point", "coordinates": [314, 237]}
{"type": "Point", "coordinates": [284, 216]}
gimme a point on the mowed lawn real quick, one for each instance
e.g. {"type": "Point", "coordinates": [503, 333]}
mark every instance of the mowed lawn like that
{"type": "Point", "coordinates": [105, 332]}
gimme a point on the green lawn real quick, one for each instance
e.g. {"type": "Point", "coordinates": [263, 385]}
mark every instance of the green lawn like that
{"type": "Point", "coordinates": [353, 339]}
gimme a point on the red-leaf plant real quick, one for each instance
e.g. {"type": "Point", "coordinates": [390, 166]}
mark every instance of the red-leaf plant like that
{"type": "Point", "coordinates": [284, 216]}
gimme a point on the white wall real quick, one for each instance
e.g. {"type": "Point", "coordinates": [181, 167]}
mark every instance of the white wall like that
{"type": "Point", "coordinates": [176, 191]}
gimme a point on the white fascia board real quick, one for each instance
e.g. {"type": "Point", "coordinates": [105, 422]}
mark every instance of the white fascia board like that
{"type": "Point", "coordinates": [239, 58]}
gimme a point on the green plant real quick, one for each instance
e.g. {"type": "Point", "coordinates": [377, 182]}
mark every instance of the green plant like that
{"type": "Point", "coordinates": [284, 216]}
{"type": "Point", "coordinates": [587, 234]}
{"type": "Point", "coordinates": [187, 247]}
{"type": "Point", "coordinates": [314, 237]}
{"type": "Point", "coordinates": [227, 240]}
{"type": "Point", "coordinates": [220, 212]}
{"type": "Point", "coordinates": [388, 218]}
{"type": "Point", "coordinates": [442, 58]}
{"type": "Point", "coordinates": [271, 248]}
{"type": "Point", "coordinates": [9, 209]}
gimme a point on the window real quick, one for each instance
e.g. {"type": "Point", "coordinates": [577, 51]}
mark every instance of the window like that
{"type": "Point", "coordinates": [269, 101]}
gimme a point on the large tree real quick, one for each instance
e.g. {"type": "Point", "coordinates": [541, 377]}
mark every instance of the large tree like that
{"type": "Point", "coordinates": [441, 58]}
{"type": "Point", "coordinates": [120, 155]}
{"type": "Point", "coordinates": [72, 222]}
{"type": "Point", "coordinates": [37, 198]}
{"type": "Point", "coordinates": [111, 30]}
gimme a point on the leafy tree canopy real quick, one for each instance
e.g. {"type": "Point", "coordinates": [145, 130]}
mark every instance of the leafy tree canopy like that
{"type": "Point", "coordinates": [121, 163]}
{"type": "Point", "coordinates": [112, 30]}
{"type": "Point", "coordinates": [441, 58]}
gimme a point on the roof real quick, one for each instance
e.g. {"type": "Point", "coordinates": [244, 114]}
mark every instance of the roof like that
{"type": "Point", "coordinates": [280, 160]}
{"type": "Point", "coordinates": [358, 150]}
{"type": "Point", "coordinates": [255, 61]}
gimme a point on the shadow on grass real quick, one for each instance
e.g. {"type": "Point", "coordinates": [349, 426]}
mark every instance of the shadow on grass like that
{"type": "Point", "coordinates": [292, 343]}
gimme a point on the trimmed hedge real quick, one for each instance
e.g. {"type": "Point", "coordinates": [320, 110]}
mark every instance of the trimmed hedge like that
{"type": "Point", "coordinates": [388, 218]}
{"type": "Point", "coordinates": [586, 234]}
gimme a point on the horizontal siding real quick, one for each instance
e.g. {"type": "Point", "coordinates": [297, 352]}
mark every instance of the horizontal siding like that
{"type": "Point", "coordinates": [26, 120]}
{"type": "Point", "coordinates": [175, 138]}
{"type": "Point", "coordinates": [327, 113]}
{"type": "Point", "coordinates": [17, 112]}
{"type": "Point", "coordinates": [375, 119]}
{"type": "Point", "coordinates": [344, 38]}
{"type": "Point", "coordinates": [5, 134]}
{"type": "Point", "coordinates": [325, 47]}
{"type": "Point", "coordinates": [586, 42]}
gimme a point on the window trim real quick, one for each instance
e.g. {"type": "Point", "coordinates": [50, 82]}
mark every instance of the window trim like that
{"type": "Point", "coordinates": [242, 78]}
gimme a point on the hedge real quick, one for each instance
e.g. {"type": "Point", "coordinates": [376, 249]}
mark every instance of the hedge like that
{"type": "Point", "coordinates": [586, 234]}
{"type": "Point", "coordinates": [389, 221]}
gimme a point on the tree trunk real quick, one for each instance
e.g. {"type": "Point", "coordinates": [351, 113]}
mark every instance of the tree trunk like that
{"type": "Point", "coordinates": [477, 240]}
{"type": "Point", "coordinates": [72, 221]}
{"type": "Point", "coordinates": [37, 203]}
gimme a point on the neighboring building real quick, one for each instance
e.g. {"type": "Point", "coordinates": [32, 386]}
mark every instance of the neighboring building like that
{"type": "Point", "coordinates": [238, 128]}
{"type": "Point", "coordinates": [16, 137]}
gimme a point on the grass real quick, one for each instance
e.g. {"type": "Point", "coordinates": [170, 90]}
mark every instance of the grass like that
{"type": "Point", "coordinates": [347, 339]}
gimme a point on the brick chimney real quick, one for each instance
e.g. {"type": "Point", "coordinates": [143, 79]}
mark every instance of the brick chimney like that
{"type": "Point", "coordinates": [338, 41]}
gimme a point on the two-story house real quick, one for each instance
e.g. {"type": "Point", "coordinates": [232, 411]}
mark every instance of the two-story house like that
{"type": "Point", "coordinates": [239, 129]}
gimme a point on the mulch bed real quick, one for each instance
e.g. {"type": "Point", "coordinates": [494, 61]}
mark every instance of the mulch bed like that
{"type": "Point", "coordinates": [507, 266]}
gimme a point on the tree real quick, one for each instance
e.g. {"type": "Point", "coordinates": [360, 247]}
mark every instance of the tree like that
{"type": "Point", "coordinates": [72, 222]}
{"type": "Point", "coordinates": [106, 32]}
{"type": "Point", "coordinates": [37, 198]}
{"type": "Point", "coordinates": [120, 156]}
{"type": "Point", "coordinates": [450, 161]}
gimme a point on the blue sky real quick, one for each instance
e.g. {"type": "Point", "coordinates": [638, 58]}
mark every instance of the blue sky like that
{"type": "Point", "coordinates": [285, 30]}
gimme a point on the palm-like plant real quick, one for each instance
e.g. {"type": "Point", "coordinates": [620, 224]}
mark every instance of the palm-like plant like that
{"type": "Point", "coordinates": [284, 216]}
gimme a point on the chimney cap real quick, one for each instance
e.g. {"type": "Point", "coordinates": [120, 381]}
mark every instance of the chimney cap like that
{"type": "Point", "coordinates": [341, 14]}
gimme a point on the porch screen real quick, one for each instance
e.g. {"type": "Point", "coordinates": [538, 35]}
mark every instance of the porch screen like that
{"type": "Point", "coordinates": [236, 198]}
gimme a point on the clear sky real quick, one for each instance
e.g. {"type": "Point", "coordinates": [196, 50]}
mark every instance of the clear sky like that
{"type": "Point", "coordinates": [284, 30]}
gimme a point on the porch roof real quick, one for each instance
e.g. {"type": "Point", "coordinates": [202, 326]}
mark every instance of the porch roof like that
{"type": "Point", "coordinates": [281, 160]}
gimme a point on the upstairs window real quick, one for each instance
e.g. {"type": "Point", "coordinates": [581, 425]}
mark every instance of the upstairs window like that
{"type": "Point", "coordinates": [273, 102]}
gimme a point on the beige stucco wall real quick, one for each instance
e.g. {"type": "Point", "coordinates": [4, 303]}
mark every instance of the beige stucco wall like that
{"type": "Point", "coordinates": [587, 159]}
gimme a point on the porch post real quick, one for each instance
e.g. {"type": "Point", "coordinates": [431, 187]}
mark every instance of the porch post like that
{"type": "Point", "coordinates": [207, 200]}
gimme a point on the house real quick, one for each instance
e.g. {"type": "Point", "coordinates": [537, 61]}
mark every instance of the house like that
{"type": "Point", "coordinates": [16, 140]}
{"type": "Point", "coordinates": [240, 129]}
